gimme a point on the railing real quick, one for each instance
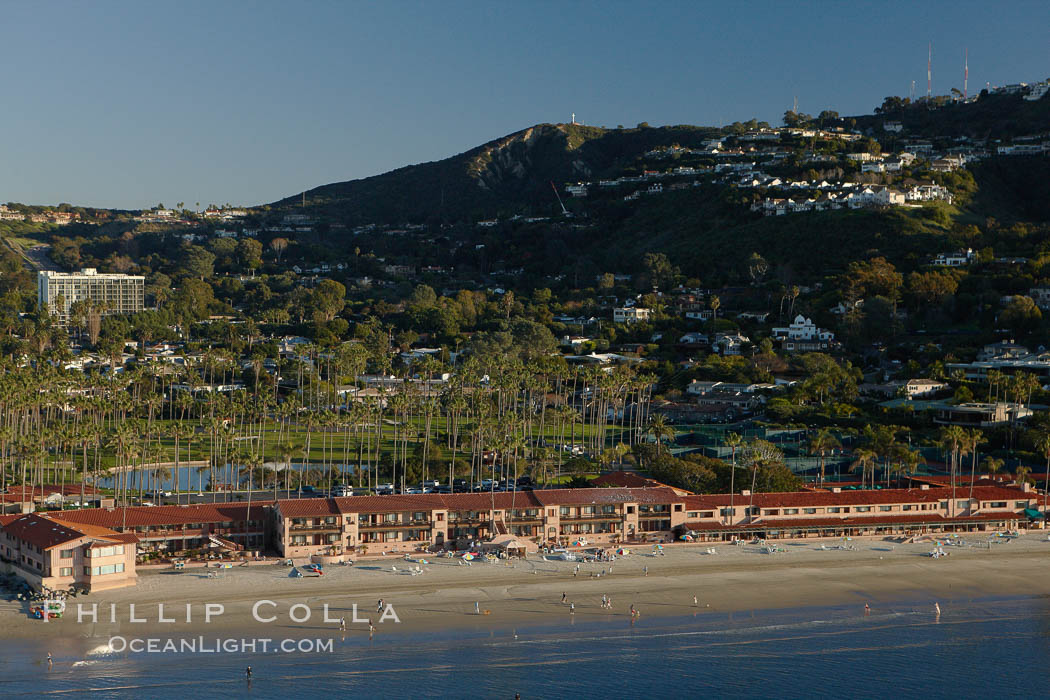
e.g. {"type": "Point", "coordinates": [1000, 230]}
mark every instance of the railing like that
{"type": "Point", "coordinates": [317, 527]}
{"type": "Point", "coordinates": [399, 525]}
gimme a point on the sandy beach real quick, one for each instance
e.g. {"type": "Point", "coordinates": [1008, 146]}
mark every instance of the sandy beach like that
{"type": "Point", "coordinates": [521, 593]}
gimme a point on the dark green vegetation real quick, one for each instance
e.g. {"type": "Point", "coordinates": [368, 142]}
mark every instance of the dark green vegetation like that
{"type": "Point", "coordinates": [396, 263]}
{"type": "Point", "coordinates": [507, 176]}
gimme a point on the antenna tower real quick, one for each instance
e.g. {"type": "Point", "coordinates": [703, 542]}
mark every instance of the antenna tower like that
{"type": "Point", "coordinates": [966, 73]}
{"type": "Point", "coordinates": [929, 73]}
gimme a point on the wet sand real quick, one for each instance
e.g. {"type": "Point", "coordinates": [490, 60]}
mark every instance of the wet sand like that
{"type": "Point", "coordinates": [530, 592]}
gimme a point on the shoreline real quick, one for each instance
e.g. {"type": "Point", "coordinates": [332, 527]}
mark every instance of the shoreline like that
{"type": "Point", "coordinates": [529, 593]}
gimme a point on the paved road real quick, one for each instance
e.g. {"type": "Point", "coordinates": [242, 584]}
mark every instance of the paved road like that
{"type": "Point", "coordinates": [40, 258]}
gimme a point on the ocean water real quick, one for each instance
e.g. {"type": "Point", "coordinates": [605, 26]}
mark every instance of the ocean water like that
{"type": "Point", "coordinates": [988, 647]}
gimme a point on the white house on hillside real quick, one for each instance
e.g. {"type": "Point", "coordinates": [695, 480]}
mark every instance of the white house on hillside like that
{"type": "Point", "coordinates": [631, 314]}
{"type": "Point", "coordinates": [958, 258]}
{"type": "Point", "coordinates": [803, 335]}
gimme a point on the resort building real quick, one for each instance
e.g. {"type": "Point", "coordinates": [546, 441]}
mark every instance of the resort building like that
{"type": "Point", "coordinates": [97, 547]}
{"type": "Point", "coordinates": [111, 293]}
{"type": "Point", "coordinates": [177, 529]}
{"type": "Point", "coordinates": [378, 524]}
{"type": "Point", "coordinates": [48, 553]}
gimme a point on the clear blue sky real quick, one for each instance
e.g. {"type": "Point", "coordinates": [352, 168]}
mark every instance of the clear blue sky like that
{"type": "Point", "coordinates": [127, 104]}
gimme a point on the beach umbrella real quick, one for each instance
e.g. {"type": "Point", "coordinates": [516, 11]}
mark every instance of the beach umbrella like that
{"type": "Point", "coordinates": [468, 556]}
{"type": "Point", "coordinates": [621, 551]}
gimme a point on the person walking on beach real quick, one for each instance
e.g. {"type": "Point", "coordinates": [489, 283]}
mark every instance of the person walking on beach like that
{"type": "Point", "coordinates": [477, 608]}
{"type": "Point", "coordinates": [342, 624]}
{"type": "Point", "coordinates": [645, 570]}
{"type": "Point", "coordinates": [632, 610]}
{"type": "Point", "coordinates": [694, 601]}
{"type": "Point", "coordinates": [49, 661]}
{"type": "Point", "coordinates": [248, 673]}
{"type": "Point", "coordinates": [379, 606]}
{"type": "Point", "coordinates": [564, 597]}
{"type": "Point", "coordinates": [572, 608]}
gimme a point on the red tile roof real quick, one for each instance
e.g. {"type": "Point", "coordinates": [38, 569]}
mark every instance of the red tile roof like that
{"type": "Point", "coordinates": [46, 533]}
{"type": "Point", "coordinates": [625, 479]}
{"type": "Point", "coordinates": [849, 521]}
{"type": "Point", "coordinates": [474, 501]}
{"type": "Point", "coordinates": [303, 507]}
{"type": "Point", "coordinates": [392, 503]}
{"type": "Point", "coordinates": [570, 497]}
{"type": "Point", "coordinates": [800, 499]}
{"type": "Point", "coordinates": [164, 515]}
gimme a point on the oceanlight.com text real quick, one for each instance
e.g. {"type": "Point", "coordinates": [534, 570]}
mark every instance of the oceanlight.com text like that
{"type": "Point", "coordinates": [216, 645]}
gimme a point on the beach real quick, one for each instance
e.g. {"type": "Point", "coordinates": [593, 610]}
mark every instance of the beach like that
{"type": "Point", "coordinates": [519, 593]}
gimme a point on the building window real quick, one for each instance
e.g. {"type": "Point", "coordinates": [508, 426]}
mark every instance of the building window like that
{"type": "Point", "coordinates": [693, 514]}
{"type": "Point", "coordinates": [1020, 504]}
{"type": "Point", "coordinates": [791, 511]}
{"type": "Point", "coordinates": [727, 511]}
{"type": "Point", "coordinates": [997, 504]}
{"type": "Point", "coordinates": [885, 509]}
{"type": "Point", "coordinates": [834, 509]}
{"type": "Point", "coordinates": [67, 553]}
{"type": "Point", "coordinates": [66, 571]}
{"type": "Point", "coordinates": [809, 511]}
{"type": "Point", "coordinates": [863, 509]}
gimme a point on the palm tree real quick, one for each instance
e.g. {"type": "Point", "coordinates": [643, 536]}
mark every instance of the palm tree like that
{"type": "Point", "coordinates": [659, 428]}
{"type": "Point", "coordinates": [821, 443]}
{"type": "Point", "coordinates": [974, 439]}
{"type": "Point", "coordinates": [992, 464]}
{"type": "Point", "coordinates": [1021, 474]}
{"type": "Point", "coordinates": [864, 458]}
{"type": "Point", "coordinates": [952, 439]}
{"type": "Point", "coordinates": [1044, 446]}
{"type": "Point", "coordinates": [733, 441]}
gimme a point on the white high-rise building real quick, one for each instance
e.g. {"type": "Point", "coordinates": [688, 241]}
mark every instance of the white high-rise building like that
{"type": "Point", "coordinates": [115, 293]}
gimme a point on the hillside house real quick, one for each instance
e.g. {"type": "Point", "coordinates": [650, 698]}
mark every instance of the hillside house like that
{"type": "Point", "coordinates": [730, 343]}
{"type": "Point", "coordinates": [631, 314]}
{"type": "Point", "coordinates": [802, 335]}
{"type": "Point", "coordinates": [958, 258]}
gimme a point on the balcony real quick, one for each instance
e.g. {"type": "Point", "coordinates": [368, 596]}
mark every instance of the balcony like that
{"type": "Point", "coordinates": [398, 525]}
{"type": "Point", "coordinates": [607, 517]}
{"type": "Point", "coordinates": [325, 527]}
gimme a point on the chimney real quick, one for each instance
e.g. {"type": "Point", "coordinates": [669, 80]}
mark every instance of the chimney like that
{"type": "Point", "coordinates": [745, 492]}
{"type": "Point", "coordinates": [836, 489]}
{"type": "Point", "coordinates": [924, 487]}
